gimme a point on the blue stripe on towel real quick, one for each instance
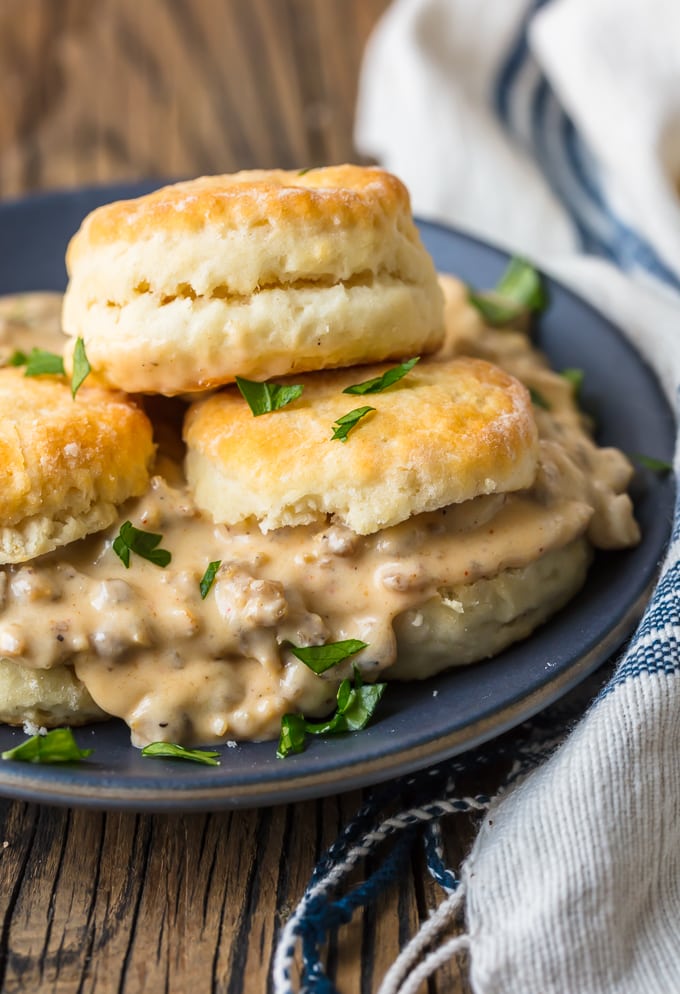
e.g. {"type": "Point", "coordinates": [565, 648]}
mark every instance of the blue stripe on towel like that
{"type": "Point", "coordinates": [514, 63]}
{"type": "Point", "coordinates": [562, 156]}
{"type": "Point", "coordinates": [656, 645]}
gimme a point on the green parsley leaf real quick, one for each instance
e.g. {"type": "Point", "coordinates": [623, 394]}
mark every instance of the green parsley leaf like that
{"type": "Point", "coordinates": [307, 169]}
{"type": "Point", "coordinates": [380, 383]}
{"type": "Point", "coordinates": [208, 578]}
{"type": "Point", "coordinates": [343, 426]}
{"type": "Point", "coordinates": [262, 398]}
{"type": "Point", "coordinates": [520, 291]}
{"type": "Point", "coordinates": [81, 367]}
{"type": "Point", "coordinates": [169, 750]}
{"type": "Point", "coordinates": [650, 462]}
{"type": "Point", "coordinates": [58, 746]}
{"type": "Point", "coordinates": [322, 657]}
{"type": "Point", "coordinates": [40, 363]}
{"type": "Point", "coordinates": [144, 544]}
{"type": "Point", "coordinates": [523, 284]}
{"type": "Point", "coordinates": [293, 735]}
{"type": "Point", "coordinates": [575, 377]}
{"type": "Point", "coordinates": [494, 312]}
{"type": "Point", "coordinates": [356, 704]}
{"type": "Point", "coordinates": [538, 399]}
{"type": "Point", "coordinates": [17, 358]}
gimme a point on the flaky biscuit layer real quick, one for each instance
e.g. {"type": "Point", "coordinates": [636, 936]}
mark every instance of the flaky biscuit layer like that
{"type": "Point", "coordinates": [446, 433]}
{"type": "Point", "coordinates": [189, 346]}
{"type": "Point", "coordinates": [256, 274]}
{"type": "Point", "coordinates": [68, 462]}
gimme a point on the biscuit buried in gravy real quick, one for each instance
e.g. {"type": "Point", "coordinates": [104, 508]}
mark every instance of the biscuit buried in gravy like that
{"type": "Point", "coordinates": [69, 463]}
{"type": "Point", "coordinates": [257, 274]}
{"type": "Point", "coordinates": [438, 532]}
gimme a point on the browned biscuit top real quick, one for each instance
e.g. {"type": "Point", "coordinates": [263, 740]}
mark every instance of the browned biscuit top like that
{"type": "Point", "coordinates": [67, 461]}
{"type": "Point", "coordinates": [446, 433]}
{"type": "Point", "coordinates": [340, 196]}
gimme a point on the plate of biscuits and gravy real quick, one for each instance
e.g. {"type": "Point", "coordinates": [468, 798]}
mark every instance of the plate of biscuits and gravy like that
{"type": "Point", "coordinates": [300, 493]}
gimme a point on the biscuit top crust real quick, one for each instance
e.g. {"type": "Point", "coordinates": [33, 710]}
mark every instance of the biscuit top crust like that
{"type": "Point", "coordinates": [446, 433]}
{"type": "Point", "coordinates": [98, 446]}
{"type": "Point", "coordinates": [334, 195]}
{"type": "Point", "coordinates": [224, 236]}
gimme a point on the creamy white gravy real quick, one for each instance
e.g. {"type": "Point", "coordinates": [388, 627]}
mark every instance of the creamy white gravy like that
{"type": "Point", "coordinates": [177, 667]}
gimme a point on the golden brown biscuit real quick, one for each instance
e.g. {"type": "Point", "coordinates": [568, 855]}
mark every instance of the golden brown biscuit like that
{"type": "Point", "coordinates": [256, 274]}
{"type": "Point", "coordinates": [445, 433]}
{"type": "Point", "coordinates": [68, 463]}
{"type": "Point", "coordinates": [565, 430]}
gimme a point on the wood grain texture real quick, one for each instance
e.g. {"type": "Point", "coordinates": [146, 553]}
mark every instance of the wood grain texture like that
{"type": "Point", "coordinates": [120, 89]}
{"type": "Point", "coordinates": [117, 903]}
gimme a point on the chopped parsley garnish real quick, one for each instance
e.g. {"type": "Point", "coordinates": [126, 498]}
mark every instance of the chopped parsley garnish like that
{"type": "Point", "coordinates": [81, 367]}
{"type": "Point", "coordinates": [356, 704]}
{"type": "Point", "coordinates": [380, 383]}
{"type": "Point", "coordinates": [307, 169]}
{"type": "Point", "coordinates": [40, 363]}
{"type": "Point", "coordinates": [292, 736]}
{"type": "Point", "coordinates": [575, 377]}
{"type": "Point", "coordinates": [343, 426]}
{"type": "Point", "coordinates": [57, 746]}
{"type": "Point", "coordinates": [538, 399]}
{"type": "Point", "coordinates": [17, 358]}
{"type": "Point", "coordinates": [650, 462]}
{"type": "Point", "coordinates": [208, 578]}
{"type": "Point", "coordinates": [262, 398]}
{"type": "Point", "coordinates": [169, 750]}
{"type": "Point", "coordinates": [322, 657]}
{"type": "Point", "coordinates": [144, 544]}
{"type": "Point", "coordinates": [521, 291]}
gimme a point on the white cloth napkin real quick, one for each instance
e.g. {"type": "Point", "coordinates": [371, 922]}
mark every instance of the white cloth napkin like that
{"type": "Point", "coordinates": [553, 129]}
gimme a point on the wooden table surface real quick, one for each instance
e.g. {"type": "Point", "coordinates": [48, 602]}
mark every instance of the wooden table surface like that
{"type": "Point", "coordinates": [93, 92]}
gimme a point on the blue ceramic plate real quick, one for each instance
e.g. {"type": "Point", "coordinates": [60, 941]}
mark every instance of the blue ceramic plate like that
{"type": "Point", "coordinates": [418, 724]}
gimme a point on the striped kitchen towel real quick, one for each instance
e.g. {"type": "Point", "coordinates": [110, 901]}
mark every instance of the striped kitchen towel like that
{"type": "Point", "coordinates": [551, 128]}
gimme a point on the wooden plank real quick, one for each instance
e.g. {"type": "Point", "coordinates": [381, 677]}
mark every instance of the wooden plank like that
{"type": "Point", "coordinates": [177, 88]}
{"type": "Point", "coordinates": [116, 902]}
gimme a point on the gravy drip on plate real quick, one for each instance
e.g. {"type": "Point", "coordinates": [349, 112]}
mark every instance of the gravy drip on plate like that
{"type": "Point", "coordinates": [182, 668]}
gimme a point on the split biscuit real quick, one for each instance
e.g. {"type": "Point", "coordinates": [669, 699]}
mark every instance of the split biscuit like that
{"type": "Point", "coordinates": [446, 433]}
{"type": "Point", "coordinates": [68, 462]}
{"type": "Point", "coordinates": [256, 274]}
